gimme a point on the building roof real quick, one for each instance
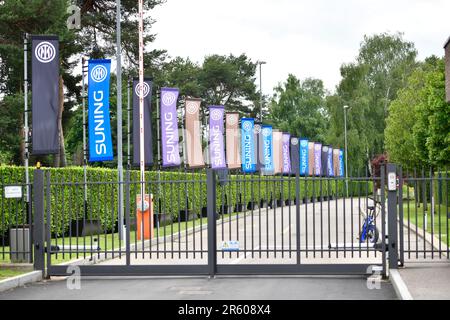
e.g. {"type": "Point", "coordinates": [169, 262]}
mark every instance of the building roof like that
{"type": "Point", "coordinates": [447, 43]}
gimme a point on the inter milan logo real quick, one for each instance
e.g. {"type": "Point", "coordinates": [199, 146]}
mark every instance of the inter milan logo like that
{"type": "Point", "coordinates": [168, 98]}
{"type": "Point", "coordinates": [192, 107]}
{"type": "Point", "coordinates": [266, 132]}
{"type": "Point", "coordinates": [216, 114]}
{"type": "Point", "coordinates": [232, 119]}
{"type": "Point", "coordinates": [304, 143]}
{"type": "Point", "coordinates": [146, 89]}
{"type": "Point", "coordinates": [99, 73]}
{"type": "Point", "coordinates": [294, 141]}
{"type": "Point", "coordinates": [247, 125]}
{"type": "Point", "coordinates": [45, 52]}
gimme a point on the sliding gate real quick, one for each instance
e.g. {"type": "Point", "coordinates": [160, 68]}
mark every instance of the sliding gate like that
{"type": "Point", "coordinates": [208, 223]}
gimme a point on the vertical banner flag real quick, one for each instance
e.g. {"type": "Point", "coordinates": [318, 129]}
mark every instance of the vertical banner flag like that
{"type": "Point", "coordinates": [267, 150]}
{"type": "Point", "coordinates": [193, 133]}
{"type": "Point", "coordinates": [336, 162]}
{"type": "Point", "coordinates": [100, 140]}
{"type": "Point", "coordinates": [311, 158]}
{"type": "Point", "coordinates": [286, 154]}
{"type": "Point", "coordinates": [330, 162]}
{"type": "Point", "coordinates": [295, 155]}
{"type": "Point", "coordinates": [148, 140]}
{"type": "Point", "coordinates": [216, 141]}
{"type": "Point", "coordinates": [341, 163]}
{"type": "Point", "coordinates": [248, 145]}
{"type": "Point", "coordinates": [325, 160]}
{"type": "Point", "coordinates": [169, 128]}
{"type": "Point", "coordinates": [318, 159]}
{"type": "Point", "coordinates": [233, 153]}
{"type": "Point", "coordinates": [259, 148]}
{"type": "Point", "coordinates": [304, 157]}
{"type": "Point", "coordinates": [45, 94]}
{"type": "Point", "coordinates": [277, 152]}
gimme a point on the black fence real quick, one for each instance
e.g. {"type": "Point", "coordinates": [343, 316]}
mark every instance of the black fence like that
{"type": "Point", "coordinates": [224, 222]}
{"type": "Point", "coordinates": [424, 214]}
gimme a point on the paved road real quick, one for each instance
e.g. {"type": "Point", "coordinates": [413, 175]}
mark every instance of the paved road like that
{"type": "Point", "coordinates": [272, 288]}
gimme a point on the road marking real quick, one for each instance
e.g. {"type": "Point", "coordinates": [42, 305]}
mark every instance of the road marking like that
{"type": "Point", "coordinates": [195, 292]}
{"type": "Point", "coordinates": [236, 261]}
{"type": "Point", "coordinates": [286, 229]}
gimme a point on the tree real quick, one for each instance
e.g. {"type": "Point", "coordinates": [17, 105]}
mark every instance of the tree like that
{"type": "Point", "coordinates": [368, 85]}
{"type": "Point", "coordinates": [34, 17]}
{"type": "Point", "coordinates": [298, 107]}
{"type": "Point", "coordinates": [418, 130]}
{"type": "Point", "coordinates": [96, 39]}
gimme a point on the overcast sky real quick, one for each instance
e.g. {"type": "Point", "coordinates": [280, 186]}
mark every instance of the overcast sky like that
{"type": "Point", "coordinates": [306, 38]}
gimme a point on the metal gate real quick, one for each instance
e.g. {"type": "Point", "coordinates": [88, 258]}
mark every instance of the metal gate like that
{"type": "Point", "coordinates": [210, 223]}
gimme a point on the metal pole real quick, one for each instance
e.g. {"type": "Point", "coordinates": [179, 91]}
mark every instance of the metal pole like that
{"type": "Point", "coordinates": [83, 103]}
{"type": "Point", "coordinates": [345, 137]}
{"type": "Point", "coordinates": [159, 160]}
{"type": "Point", "coordinates": [212, 226]}
{"type": "Point", "coordinates": [141, 104]}
{"type": "Point", "coordinates": [392, 216]}
{"type": "Point", "coordinates": [119, 119]}
{"type": "Point", "coordinates": [26, 128]}
{"type": "Point", "coordinates": [260, 91]}
{"type": "Point", "coordinates": [130, 84]}
{"type": "Point", "coordinates": [260, 97]}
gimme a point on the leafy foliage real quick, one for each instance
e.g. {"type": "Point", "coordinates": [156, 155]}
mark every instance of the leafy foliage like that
{"type": "Point", "coordinates": [368, 85]}
{"type": "Point", "coordinates": [298, 107]}
{"type": "Point", "coordinates": [418, 126]}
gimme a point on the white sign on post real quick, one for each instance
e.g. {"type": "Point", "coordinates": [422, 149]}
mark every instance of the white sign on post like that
{"type": "Point", "coordinates": [13, 192]}
{"type": "Point", "coordinates": [230, 245]}
{"type": "Point", "coordinates": [392, 181]}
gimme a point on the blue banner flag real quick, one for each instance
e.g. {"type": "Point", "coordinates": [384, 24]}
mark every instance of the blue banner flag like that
{"type": "Point", "coordinates": [100, 142]}
{"type": "Point", "coordinates": [341, 163]}
{"type": "Point", "coordinates": [304, 157]}
{"type": "Point", "coordinates": [248, 145]}
{"type": "Point", "coordinates": [267, 149]}
{"type": "Point", "coordinates": [330, 162]}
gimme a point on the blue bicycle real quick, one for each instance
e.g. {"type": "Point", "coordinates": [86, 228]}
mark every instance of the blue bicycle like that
{"type": "Point", "coordinates": [369, 232]}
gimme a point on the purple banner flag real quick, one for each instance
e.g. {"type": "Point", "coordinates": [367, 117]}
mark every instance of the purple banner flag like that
{"type": "Point", "coordinates": [318, 159]}
{"type": "Point", "coordinates": [169, 128]}
{"type": "Point", "coordinates": [216, 141]}
{"type": "Point", "coordinates": [286, 154]}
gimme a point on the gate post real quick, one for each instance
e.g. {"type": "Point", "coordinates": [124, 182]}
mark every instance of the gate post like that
{"type": "Point", "coordinates": [38, 230]}
{"type": "Point", "coordinates": [392, 216]}
{"type": "Point", "coordinates": [212, 225]}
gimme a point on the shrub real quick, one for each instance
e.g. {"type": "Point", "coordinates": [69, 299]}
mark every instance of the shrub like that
{"type": "Point", "coordinates": [65, 202]}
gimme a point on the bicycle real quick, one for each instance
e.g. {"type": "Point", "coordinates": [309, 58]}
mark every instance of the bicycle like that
{"type": "Point", "coordinates": [370, 232]}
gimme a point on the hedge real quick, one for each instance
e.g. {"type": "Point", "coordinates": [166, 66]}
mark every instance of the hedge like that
{"type": "Point", "coordinates": [440, 188]}
{"type": "Point", "coordinates": [67, 193]}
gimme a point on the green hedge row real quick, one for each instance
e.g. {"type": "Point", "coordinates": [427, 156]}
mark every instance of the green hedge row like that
{"type": "Point", "coordinates": [440, 188]}
{"type": "Point", "coordinates": [176, 191]}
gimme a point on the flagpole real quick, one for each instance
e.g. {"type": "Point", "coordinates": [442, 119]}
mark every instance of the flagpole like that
{"type": "Point", "coordinates": [129, 86]}
{"type": "Point", "coordinates": [26, 128]}
{"type": "Point", "coordinates": [141, 105]}
{"type": "Point", "coordinates": [83, 104]}
{"type": "Point", "coordinates": [119, 120]}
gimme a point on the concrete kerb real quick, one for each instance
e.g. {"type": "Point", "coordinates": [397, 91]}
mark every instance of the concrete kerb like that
{"type": "Point", "coordinates": [20, 280]}
{"type": "Point", "coordinates": [399, 285]}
